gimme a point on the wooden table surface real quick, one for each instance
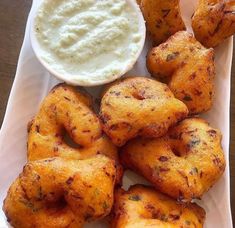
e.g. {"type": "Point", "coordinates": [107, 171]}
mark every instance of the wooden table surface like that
{"type": "Point", "coordinates": [13, 16]}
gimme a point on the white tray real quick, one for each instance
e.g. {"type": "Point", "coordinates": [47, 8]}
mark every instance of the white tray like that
{"type": "Point", "coordinates": [32, 83]}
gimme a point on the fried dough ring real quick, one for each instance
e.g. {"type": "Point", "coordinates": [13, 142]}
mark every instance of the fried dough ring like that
{"type": "Point", "coordinates": [214, 21]}
{"type": "Point", "coordinates": [66, 109]}
{"type": "Point", "coordinates": [188, 68]}
{"type": "Point", "coordinates": [139, 106]}
{"type": "Point", "coordinates": [163, 18]}
{"type": "Point", "coordinates": [142, 206]}
{"type": "Point", "coordinates": [184, 164]}
{"type": "Point", "coordinates": [59, 193]}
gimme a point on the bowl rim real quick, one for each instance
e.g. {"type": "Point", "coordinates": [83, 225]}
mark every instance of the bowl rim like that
{"type": "Point", "coordinates": [77, 80]}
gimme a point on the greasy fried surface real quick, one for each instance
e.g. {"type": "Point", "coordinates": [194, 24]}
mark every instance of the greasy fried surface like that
{"type": "Point", "coordinates": [214, 21]}
{"type": "Point", "coordinates": [183, 164]}
{"type": "Point", "coordinates": [188, 68]}
{"type": "Point", "coordinates": [163, 18]}
{"type": "Point", "coordinates": [142, 206]}
{"type": "Point", "coordinates": [139, 106]}
{"type": "Point", "coordinates": [66, 109]}
{"type": "Point", "coordinates": [59, 193]}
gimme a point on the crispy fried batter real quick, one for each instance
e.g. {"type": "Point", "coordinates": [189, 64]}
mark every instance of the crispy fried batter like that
{"type": "Point", "coordinates": [139, 106]}
{"type": "Point", "coordinates": [188, 68]}
{"type": "Point", "coordinates": [214, 21]}
{"type": "Point", "coordinates": [59, 193]}
{"type": "Point", "coordinates": [142, 206]}
{"type": "Point", "coordinates": [163, 18]}
{"type": "Point", "coordinates": [184, 164]}
{"type": "Point", "coordinates": [66, 109]}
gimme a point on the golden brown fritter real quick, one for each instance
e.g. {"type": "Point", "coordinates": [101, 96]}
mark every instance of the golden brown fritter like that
{"type": "Point", "coordinates": [139, 106]}
{"type": "Point", "coordinates": [184, 164]}
{"type": "Point", "coordinates": [214, 21]}
{"type": "Point", "coordinates": [67, 110]}
{"type": "Point", "coordinates": [142, 206]}
{"type": "Point", "coordinates": [188, 68]}
{"type": "Point", "coordinates": [59, 193]}
{"type": "Point", "coordinates": [64, 109]}
{"type": "Point", "coordinates": [163, 19]}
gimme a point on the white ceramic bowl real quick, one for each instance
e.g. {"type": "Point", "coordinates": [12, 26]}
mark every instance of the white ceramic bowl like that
{"type": "Point", "coordinates": [79, 80]}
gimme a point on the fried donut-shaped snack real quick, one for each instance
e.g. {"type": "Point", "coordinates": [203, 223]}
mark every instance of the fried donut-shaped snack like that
{"type": "Point", "coordinates": [163, 19]}
{"type": "Point", "coordinates": [142, 206]}
{"type": "Point", "coordinates": [67, 110]}
{"type": "Point", "coordinates": [139, 106]}
{"type": "Point", "coordinates": [60, 192]}
{"type": "Point", "coordinates": [184, 164]}
{"type": "Point", "coordinates": [187, 67]}
{"type": "Point", "coordinates": [214, 21]}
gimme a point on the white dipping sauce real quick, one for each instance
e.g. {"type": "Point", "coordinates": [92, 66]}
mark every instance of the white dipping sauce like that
{"type": "Point", "coordinates": [92, 39]}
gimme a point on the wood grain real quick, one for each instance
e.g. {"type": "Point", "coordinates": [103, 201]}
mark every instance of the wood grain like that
{"type": "Point", "coordinates": [13, 15]}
